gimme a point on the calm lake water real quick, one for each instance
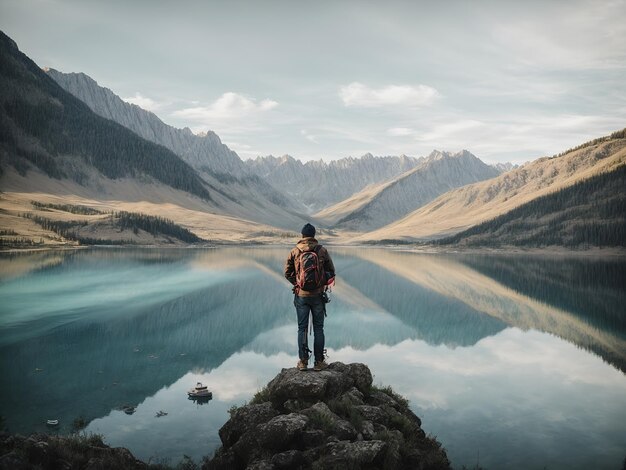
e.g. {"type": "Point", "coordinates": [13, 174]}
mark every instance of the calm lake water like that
{"type": "Point", "coordinates": [512, 362]}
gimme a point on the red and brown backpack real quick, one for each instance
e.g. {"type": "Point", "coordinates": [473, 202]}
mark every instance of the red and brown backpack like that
{"type": "Point", "coordinates": [310, 270]}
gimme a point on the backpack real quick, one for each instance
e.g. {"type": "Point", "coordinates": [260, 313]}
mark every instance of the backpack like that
{"type": "Point", "coordinates": [311, 274]}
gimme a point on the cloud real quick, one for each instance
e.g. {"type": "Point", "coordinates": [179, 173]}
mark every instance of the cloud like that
{"type": "Point", "coordinates": [359, 95]}
{"type": "Point", "coordinates": [519, 138]}
{"type": "Point", "coordinates": [450, 129]}
{"type": "Point", "coordinates": [144, 102]}
{"type": "Point", "coordinates": [586, 37]}
{"type": "Point", "coordinates": [400, 131]}
{"type": "Point", "coordinates": [308, 136]}
{"type": "Point", "coordinates": [230, 106]}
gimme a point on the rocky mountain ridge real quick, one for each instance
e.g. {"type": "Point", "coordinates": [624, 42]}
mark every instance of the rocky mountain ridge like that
{"type": "Point", "coordinates": [318, 184]}
{"type": "Point", "coordinates": [237, 192]}
{"type": "Point", "coordinates": [379, 205]}
{"type": "Point", "coordinates": [204, 151]}
{"type": "Point", "coordinates": [284, 181]}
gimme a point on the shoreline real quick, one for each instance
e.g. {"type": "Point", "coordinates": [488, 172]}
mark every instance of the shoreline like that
{"type": "Point", "coordinates": [558, 251]}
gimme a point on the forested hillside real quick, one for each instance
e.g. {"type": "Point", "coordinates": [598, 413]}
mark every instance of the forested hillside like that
{"type": "Point", "coordinates": [591, 212]}
{"type": "Point", "coordinates": [43, 125]}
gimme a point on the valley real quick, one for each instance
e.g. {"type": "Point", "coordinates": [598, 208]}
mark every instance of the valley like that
{"type": "Point", "coordinates": [66, 141]}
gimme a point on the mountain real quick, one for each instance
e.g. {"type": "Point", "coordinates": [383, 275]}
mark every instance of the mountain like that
{"type": "Point", "coordinates": [462, 208]}
{"type": "Point", "coordinates": [204, 151]}
{"type": "Point", "coordinates": [55, 150]}
{"type": "Point", "coordinates": [380, 204]}
{"type": "Point", "coordinates": [318, 184]}
{"type": "Point", "coordinates": [42, 125]}
{"type": "Point", "coordinates": [591, 212]}
{"type": "Point", "coordinates": [504, 167]}
{"type": "Point", "coordinates": [245, 194]}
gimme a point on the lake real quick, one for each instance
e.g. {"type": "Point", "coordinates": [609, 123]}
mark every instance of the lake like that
{"type": "Point", "coordinates": [511, 361]}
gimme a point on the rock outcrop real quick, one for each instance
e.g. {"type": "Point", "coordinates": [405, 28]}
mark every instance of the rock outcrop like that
{"type": "Point", "coordinates": [329, 419]}
{"type": "Point", "coordinates": [42, 451]}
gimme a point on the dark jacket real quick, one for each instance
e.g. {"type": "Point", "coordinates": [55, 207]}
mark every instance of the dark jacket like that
{"type": "Point", "coordinates": [307, 244]}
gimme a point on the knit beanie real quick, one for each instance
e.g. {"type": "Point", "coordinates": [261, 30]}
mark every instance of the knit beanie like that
{"type": "Point", "coordinates": [308, 231]}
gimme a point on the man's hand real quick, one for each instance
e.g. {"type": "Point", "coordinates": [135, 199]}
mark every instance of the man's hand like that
{"type": "Point", "coordinates": [295, 289]}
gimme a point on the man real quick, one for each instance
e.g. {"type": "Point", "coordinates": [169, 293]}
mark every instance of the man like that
{"type": "Point", "coordinates": [310, 269]}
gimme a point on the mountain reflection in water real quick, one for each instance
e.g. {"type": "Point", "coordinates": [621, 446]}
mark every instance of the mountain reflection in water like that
{"type": "Point", "coordinates": [98, 329]}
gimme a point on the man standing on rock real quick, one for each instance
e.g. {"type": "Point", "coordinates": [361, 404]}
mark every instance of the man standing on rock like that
{"type": "Point", "coordinates": [310, 270]}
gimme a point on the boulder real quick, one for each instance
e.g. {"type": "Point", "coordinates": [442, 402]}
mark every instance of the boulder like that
{"type": "Point", "coordinates": [354, 396]}
{"type": "Point", "coordinates": [243, 419]}
{"type": "Point", "coordinates": [281, 431]}
{"type": "Point", "coordinates": [345, 454]}
{"type": "Point", "coordinates": [293, 384]}
{"type": "Point", "coordinates": [373, 413]}
{"type": "Point", "coordinates": [288, 460]}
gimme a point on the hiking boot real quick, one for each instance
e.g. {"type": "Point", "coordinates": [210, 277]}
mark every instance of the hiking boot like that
{"type": "Point", "coordinates": [320, 365]}
{"type": "Point", "coordinates": [302, 365]}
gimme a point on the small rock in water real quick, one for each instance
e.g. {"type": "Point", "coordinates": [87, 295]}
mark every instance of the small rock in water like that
{"type": "Point", "coordinates": [160, 413]}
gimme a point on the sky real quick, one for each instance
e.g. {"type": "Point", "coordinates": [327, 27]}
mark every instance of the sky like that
{"type": "Point", "coordinates": [506, 80]}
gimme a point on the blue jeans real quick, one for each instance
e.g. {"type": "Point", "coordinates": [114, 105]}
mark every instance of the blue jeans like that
{"type": "Point", "coordinates": [315, 306]}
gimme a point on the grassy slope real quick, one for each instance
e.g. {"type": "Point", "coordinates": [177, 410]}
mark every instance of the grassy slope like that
{"type": "Point", "coordinates": [590, 212]}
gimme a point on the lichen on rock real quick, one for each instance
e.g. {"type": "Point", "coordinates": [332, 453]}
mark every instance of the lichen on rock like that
{"type": "Point", "coordinates": [328, 419]}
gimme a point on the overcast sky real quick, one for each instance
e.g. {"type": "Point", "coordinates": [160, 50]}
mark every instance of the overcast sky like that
{"type": "Point", "coordinates": [509, 81]}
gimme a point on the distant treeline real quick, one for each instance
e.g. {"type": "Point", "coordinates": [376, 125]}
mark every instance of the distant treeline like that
{"type": "Point", "coordinates": [33, 106]}
{"type": "Point", "coordinates": [61, 227]}
{"type": "Point", "coordinates": [19, 242]}
{"type": "Point", "coordinates": [72, 208]}
{"type": "Point", "coordinates": [591, 212]}
{"type": "Point", "coordinates": [615, 135]}
{"type": "Point", "coordinates": [65, 228]}
{"type": "Point", "coordinates": [154, 225]}
{"type": "Point", "coordinates": [123, 220]}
